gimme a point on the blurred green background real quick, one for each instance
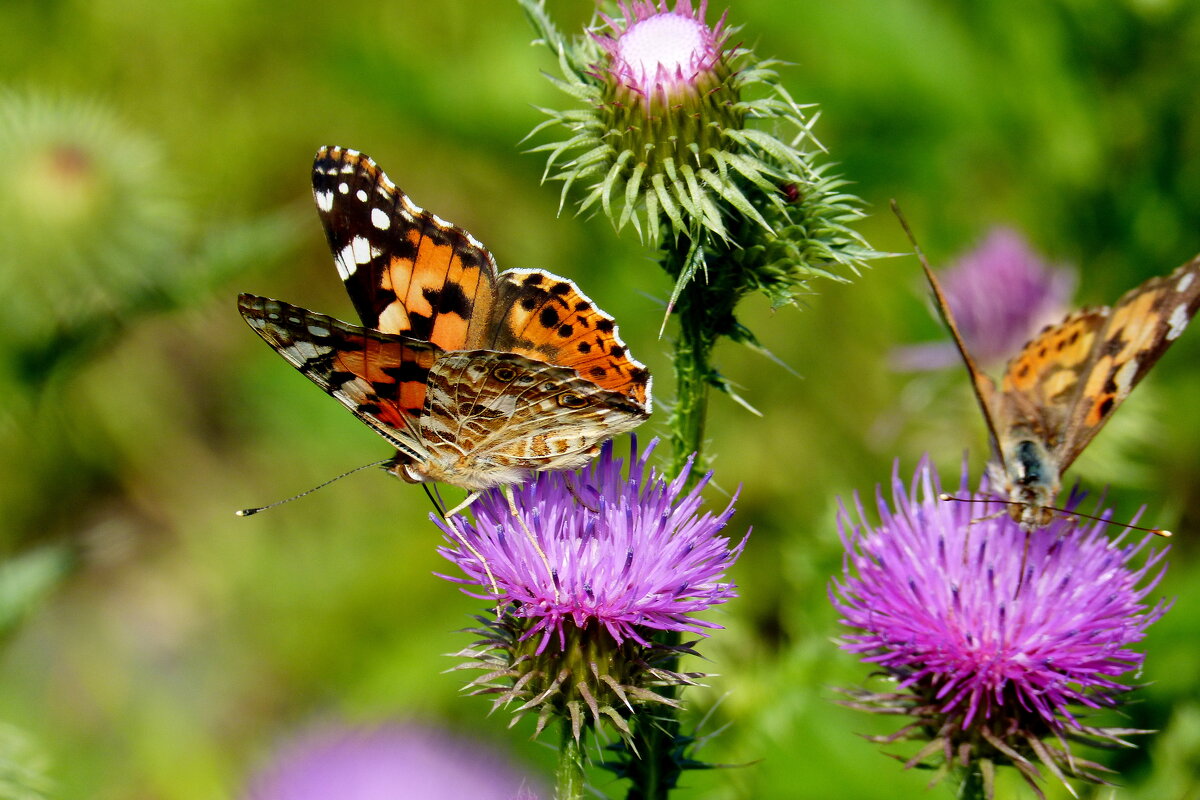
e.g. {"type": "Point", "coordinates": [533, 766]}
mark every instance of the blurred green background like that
{"type": "Point", "coordinates": [154, 646]}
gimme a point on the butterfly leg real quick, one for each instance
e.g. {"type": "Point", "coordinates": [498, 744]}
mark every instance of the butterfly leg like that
{"type": "Point", "coordinates": [512, 507]}
{"type": "Point", "coordinates": [1024, 564]}
{"type": "Point", "coordinates": [574, 493]}
{"type": "Point", "coordinates": [471, 498]}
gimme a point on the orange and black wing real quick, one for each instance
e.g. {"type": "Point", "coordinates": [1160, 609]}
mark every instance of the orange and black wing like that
{"type": "Point", "coordinates": [546, 317]}
{"type": "Point", "coordinates": [381, 378]}
{"type": "Point", "coordinates": [407, 271]}
{"type": "Point", "coordinates": [1137, 331]}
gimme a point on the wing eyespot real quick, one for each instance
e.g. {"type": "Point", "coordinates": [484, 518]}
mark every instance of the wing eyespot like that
{"type": "Point", "coordinates": [572, 400]}
{"type": "Point", "coordinates": [504, 373]}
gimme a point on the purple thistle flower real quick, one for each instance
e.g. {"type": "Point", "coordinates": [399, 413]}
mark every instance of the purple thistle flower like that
{"type": "Point", "coordinates": [628, 555]}
{"type": "Point", "coordinates": [387, 762]}
{"type": "Point", "coordinates": [659, 53]}
{"type": "Point", "coordinates": [987, 663]}
{"type": "Point", "coordinates": [1001, 294]}
{"type": "Point", "coordinates": [642, 557]}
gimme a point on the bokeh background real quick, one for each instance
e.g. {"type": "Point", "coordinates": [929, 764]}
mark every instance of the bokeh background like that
{"type": "Point", "coordinates": [157, 161]}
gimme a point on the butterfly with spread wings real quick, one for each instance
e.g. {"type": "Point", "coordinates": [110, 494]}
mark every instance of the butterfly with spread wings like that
{"type": "Point", "coordinates": [1057, 393]}
{"type": "Point", "coordinates": [477, 377]}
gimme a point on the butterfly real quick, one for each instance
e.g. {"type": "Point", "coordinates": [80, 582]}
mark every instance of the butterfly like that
{"type": "Point", "coordinates": [477, 377]}
{"type": "Point", "coordinates": [1066, 382]}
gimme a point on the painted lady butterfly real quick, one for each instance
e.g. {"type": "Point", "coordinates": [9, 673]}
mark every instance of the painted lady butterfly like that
{"type": "Point", "coordinates": [1067, 381]}
{"type": "Point", "coordinates": [476, 377]}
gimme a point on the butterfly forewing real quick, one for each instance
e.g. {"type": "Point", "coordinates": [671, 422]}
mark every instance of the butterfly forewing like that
{"type": "Point", "coordinates": [982, 385]}
{"type": "Point", "coordinates": [406, 270]}
{"type": "Point", "coordinates": [381, 378]}
{"type": "Point", "coordinates": [1138, 330]}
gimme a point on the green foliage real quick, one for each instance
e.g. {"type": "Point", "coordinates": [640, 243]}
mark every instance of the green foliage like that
{"type": "Point", "coordinates": [185, 641]}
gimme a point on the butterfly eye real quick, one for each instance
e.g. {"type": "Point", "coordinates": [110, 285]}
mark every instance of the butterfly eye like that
{"type": "Point", "coordinates": [504, 373]}
{"type": "Point", "coordinates": [569, 400]}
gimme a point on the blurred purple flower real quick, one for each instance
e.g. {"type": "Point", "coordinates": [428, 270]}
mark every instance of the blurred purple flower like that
{"type": "Point", "coordinates": [630, 554]}
{"type": "Point", "coordinates": [988, 664]}
{"type": "Point", "coordinates": [386, 763]}
{"type": "Point", "coordinates": [660, 53]}
{"type": "Point", "coordinates": [1001, 294]}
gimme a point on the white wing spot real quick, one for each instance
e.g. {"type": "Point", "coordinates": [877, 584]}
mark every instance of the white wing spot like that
{"type": "Point", "coordinates": [361, 195]}
{"type": "Point", "coordinates": [441, 223]}
{"type": "Point", "coordinates": [1185, 282]}
{"type": "Point", "coordinates": [363, 252]}
{"type": "Point", "coordinates": [1124, 377]}
{"type": "Point", "coordinates": [474, 242]}
{"type": "Point", "coordinates": [380, 219]}
{"type": "Point", "coordinates": [353, 153]}
{"type": "Point", "coordinates": [344, 187]}
{"type": "Point", "coordinates": [346, 265]}
{"type": "Point", "coordinates": [324, 200]}
{"type": "Point", "coordinates": [318, 331]}
{"type": "Point", "coordinates": [1178, 321]}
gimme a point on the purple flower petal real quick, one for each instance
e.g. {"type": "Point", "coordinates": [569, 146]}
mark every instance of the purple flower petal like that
{"type": "Point", "coordinates": [644, 555]}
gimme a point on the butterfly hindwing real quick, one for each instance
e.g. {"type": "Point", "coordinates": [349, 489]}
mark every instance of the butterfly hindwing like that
{"type": "Point", "coordinates": [406, 270]}
{"type": "Point", "coordinates": [381, 378]}
{"type": "Point", "coordinates": [546, 317]}
{"type": "Point", "coordinates": [519, 412]}
{"type": "Point", "coordinates": [1042, 383]}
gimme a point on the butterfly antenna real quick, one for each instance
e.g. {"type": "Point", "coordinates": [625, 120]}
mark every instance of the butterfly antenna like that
{"type": "Point", "coordinates": [438, 506]}
{"type": "Point", "coordinates": [1064, 513]}
{"type": "Point", "coordinates": [911, 237]}
{"type": "Point", "coordinates": [247, 512]}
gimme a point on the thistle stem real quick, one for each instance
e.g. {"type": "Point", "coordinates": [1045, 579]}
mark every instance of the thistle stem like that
{"type": "Point", "coordinates": [568, 777]}
{"type": "Point", "coordinates": [705, 312]}
{"type": "Point", "coordinates": [972, 787]}
{"type": "Point", "coordinates": [693, 352]}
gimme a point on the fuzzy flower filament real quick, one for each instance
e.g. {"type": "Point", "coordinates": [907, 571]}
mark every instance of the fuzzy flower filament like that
{"type": "Point", "coordinates": [991, 666]}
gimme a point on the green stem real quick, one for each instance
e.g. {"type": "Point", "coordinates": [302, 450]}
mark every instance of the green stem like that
{"type": "Point", "coordinates": [693, 370]}
{"type": "Point", "coordinates": [568, 777]}
{"type": "Point", "coordinates": [972, 786]}
{"type": "Point", "coordinates": [705, 312]}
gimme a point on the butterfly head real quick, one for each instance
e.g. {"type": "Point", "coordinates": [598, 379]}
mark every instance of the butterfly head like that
{"type": "Point", "coordinates": [1030, 479]}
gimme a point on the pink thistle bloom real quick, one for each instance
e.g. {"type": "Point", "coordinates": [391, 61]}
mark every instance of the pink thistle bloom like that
{"type": "Point", "coordinates": [631, 554]}
{"type": "Point", "coordinates": [659, 53]}
{"type": "Point", "coordinates": [987, 662]}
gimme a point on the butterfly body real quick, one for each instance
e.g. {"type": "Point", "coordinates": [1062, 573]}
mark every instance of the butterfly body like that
{"type": "Point", "coordinates": [1065, 384]}
{"type": "Point", "coordinates": [478, 378]}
